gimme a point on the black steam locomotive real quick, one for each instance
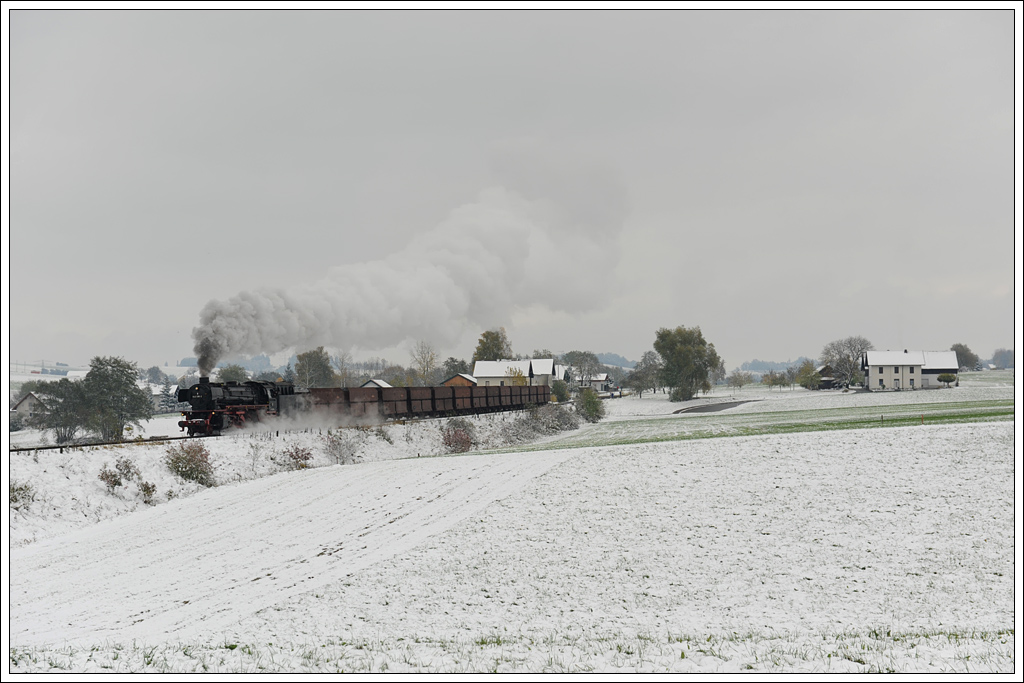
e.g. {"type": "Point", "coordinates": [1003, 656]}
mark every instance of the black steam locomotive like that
{"type": "Point", "coordinates": [216, 406]}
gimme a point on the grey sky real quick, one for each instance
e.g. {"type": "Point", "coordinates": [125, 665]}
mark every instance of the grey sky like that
{"type": "Point", "coordinates": [786, 178]}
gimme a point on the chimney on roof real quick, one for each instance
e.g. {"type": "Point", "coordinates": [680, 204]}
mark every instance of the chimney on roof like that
{"type": "Point", "coordinates": [904, 350]}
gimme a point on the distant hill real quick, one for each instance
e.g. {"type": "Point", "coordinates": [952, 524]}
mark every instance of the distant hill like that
{"type": "Point", "coordinates": [616, 360]}
{"type": "Point", "coordinates": [763, 366]}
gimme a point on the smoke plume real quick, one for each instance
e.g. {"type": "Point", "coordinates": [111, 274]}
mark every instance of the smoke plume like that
{"type": "Point", "coordinates": [537, 238]}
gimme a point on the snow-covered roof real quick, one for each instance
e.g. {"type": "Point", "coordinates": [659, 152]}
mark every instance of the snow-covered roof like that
{"type": "Point", "coordinates": [543, 366]}
{"type": "Point", "coordinates": [500, 368]}
{"type": "Point", "coordinates": [929, 360]}
{"type": "Point", "coordinates": [77, 374]}
{"type": "Point", "coordinates": [376, 383]}
{"type": "Point", "coordinates": [600, 377]}
{"type": "Point", "coordinates": [469, 378]}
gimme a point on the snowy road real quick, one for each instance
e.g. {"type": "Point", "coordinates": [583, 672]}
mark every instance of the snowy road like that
{"type": "Point", "coordinates": [204, 562]}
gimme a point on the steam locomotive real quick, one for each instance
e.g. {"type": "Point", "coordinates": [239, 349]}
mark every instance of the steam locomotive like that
{"type": "Point", "coordinates": [216, 406]}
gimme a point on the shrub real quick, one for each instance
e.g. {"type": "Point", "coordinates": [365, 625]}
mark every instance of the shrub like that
{"type": "Point", "coordinates": [589, 406]}
{"type": "Point", "coordinates": [190, 461]}
{"type": "Point", "coordinates": [553, 419]}
{"type": "Point", "coordinates": [465, 425]}
{"type": "Point", "coordinates": [148, 490]}
{"type": "Point", "coordinates": [111, 478]}
{"type": "Point", "coordinates": [342, 445]}
{"type": "Point", "coordinates": [458, 435]}
{"type": "Point", "coordinates": [299, 456]}
{"type": "Point", "coordinates": [383, 435]}
{"type": "Point", "coordinates": [22, 494]}
{"type": "Point", "coordinates": [560, 390]}
{"type": "Point", "coordinates": [456, 439]}
{"type": "Point", "coordinates": [127, 469]}
{"type": "Point", "coordinates": [946, 378]}
{"type": "Point", "coordinates": [16, 424]}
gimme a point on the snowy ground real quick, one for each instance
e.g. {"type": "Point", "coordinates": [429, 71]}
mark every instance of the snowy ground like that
{"type": "Point", "coordinates": [889, 548]}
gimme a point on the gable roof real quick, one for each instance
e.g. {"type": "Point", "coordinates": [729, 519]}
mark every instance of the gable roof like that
{"type": "Point", "coordinates": [375, 383]}
{"type": "Point", "coordinates": [543, 366]}
{"type": "Point", "coordinates": [469, 378]}
{"type": "Point", "coordinates": [928, 360]}
{"type": "Point", "coordinates": [500, 368]}
{"type": "Point", "coordinates": [25, 398]}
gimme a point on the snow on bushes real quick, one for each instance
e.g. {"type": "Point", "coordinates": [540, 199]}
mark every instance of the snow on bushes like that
{"type": "Point", "coordinates": [190, 460]}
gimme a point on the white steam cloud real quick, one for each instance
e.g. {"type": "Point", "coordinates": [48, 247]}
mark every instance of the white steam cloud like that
{"type": "Point", "coordinates": [532, 240]}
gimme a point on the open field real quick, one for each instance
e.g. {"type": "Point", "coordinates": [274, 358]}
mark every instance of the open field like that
{"type": "Point", "coordinates": [630, 545]}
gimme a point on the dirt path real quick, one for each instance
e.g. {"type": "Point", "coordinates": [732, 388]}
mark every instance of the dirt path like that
{"type": "Point", "coordinates": [711, 407]}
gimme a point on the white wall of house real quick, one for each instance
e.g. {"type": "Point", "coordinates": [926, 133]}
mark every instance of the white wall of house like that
{"type": "Point", "coordinates": [907, 369]}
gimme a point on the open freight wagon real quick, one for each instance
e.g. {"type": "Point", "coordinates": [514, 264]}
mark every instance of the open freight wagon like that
{"type": "Point", "coordinates": [395, 403]}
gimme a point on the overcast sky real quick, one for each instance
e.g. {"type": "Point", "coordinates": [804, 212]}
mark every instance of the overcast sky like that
{"type": "Point", "coordinates": [781, 179]}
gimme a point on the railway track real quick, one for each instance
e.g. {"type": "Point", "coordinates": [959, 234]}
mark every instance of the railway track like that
{"type": "Point", "coordinates": [164, 439]}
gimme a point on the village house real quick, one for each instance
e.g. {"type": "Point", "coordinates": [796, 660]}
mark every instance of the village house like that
{"type": "Point", "coordinates": [28, 407]}
{"type": "Point", "coordinates": [498, 373]}
{"type": "Point", "coordinates": [898, 370]}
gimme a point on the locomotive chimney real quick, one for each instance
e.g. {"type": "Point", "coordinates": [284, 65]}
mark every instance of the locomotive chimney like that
{"type": "Point", "coordinates": [204, 380]}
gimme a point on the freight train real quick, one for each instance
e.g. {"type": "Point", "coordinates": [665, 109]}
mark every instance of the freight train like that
{"type": "Point", "coordinates": [217, 406]}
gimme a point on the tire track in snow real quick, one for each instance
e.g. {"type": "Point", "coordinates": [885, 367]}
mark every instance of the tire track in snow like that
{"type": "Point", "coordinates": [201, 564]}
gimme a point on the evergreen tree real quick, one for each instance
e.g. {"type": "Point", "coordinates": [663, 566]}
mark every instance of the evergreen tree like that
{"type": "Point", "coordinates": [114, 399]}
{"type": "Point", "coordinates": [168, 399]}
{"type": "Point", "coordinates": [66, 409]}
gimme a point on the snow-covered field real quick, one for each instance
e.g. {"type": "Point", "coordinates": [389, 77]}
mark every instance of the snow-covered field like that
{"type": "Point", "coordinates": [888, 548]}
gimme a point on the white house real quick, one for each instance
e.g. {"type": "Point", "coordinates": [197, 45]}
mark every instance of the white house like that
{"type": "Point", "coordinates": [496, 373]}
{"type": "Point", "coordinates": [907, 369]}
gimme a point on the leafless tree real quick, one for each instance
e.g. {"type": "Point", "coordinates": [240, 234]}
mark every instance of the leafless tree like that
{"type": "Point", "coordinates": [424, 361]}
{"type": "Point", "coordinates": [844, 357]}
{"type": "Point", "coordinates": [343, 367]}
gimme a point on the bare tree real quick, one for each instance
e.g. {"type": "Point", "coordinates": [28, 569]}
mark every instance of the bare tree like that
{"type": "Point", "coordinates": [844, 357]}
{"type": "Point", "coordinates": [343, 367]}
{"type": "Point", "coordinates": [738, 379]}
{"type": "Point", "coordinates": [646, 374]}
{"type": "Point", "coordinates": [584, 364]}
{"type": "Point", "coordinates": [424, 361]}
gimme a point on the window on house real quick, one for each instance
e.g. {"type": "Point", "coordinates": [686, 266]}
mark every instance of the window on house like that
{"type": "Point", "coordinates": [880, 382]}
{"type": "Point", "coordinates": [911, 383]}
{"type": "Point", "coordinates": [896, 369]}
{"type": "Point", "coordinates": [911, 369]}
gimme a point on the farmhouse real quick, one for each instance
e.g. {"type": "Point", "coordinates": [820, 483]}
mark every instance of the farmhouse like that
{"type": "Point", "coordinates": [28, 407]}
{"type": "Point", "coordinates": [907, 369]}
{"type": "Point", "coordinates": [497, 373]}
